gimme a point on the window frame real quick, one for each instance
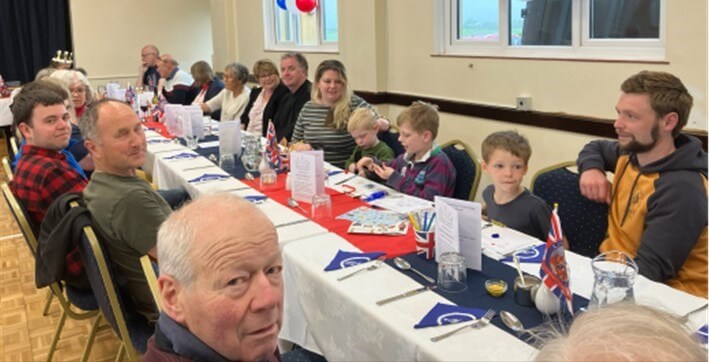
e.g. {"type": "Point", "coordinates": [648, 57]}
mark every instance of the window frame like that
{"type": "Point", "coordinates": [271, 30]}
{"type": "Point", "coordinates": [582, 46]}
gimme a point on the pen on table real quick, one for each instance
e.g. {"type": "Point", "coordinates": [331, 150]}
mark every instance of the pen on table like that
{"type": "Point", "coordinates": [345, 180]}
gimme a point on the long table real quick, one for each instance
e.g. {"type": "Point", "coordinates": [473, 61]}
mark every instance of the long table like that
{"type": "Point", "coordinates": [340, 318]}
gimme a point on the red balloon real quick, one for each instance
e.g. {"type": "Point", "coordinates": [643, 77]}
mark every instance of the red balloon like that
{"type": "Point", "coordinates": [306, 6]}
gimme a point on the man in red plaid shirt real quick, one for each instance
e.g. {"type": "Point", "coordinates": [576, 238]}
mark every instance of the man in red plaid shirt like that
{"type": "Point", "coordinates": [42, 173]}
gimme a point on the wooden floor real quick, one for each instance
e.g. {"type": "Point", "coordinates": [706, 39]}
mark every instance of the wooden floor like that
{"type": "Point", "coordinates": [25, 335]}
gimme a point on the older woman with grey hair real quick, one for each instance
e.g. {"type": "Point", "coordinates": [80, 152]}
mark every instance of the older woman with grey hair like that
{"type": "Point", "coordinates": [232, 100]}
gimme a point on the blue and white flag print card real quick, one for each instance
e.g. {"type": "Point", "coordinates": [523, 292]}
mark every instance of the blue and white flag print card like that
{"type": "Point", "coordinates": [529, 255]}
{"type": "Point", "coordinates": [182, 156]}
{"type": "Point", "coordinates": [207, 177]}
{"type": "Point", "coordinates": [346, 259]}
{"type": "Point", "coordinates": [702, 334]}
{"type": "Point", "coordinates": [443, 314]}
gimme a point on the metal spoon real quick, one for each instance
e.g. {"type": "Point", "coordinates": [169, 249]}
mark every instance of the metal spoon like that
{"type": "Point", "coordinates": [513, 323]}
{"type": "Point", "coordinates": [404, 265]}
{"type": "Point", "coordinates": [293, 203]}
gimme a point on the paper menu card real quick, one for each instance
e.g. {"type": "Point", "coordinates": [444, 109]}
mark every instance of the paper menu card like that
{"type": "Point", "coordinates": [192, 123]}
{"type": "Point", "coordinates": [307, 175]}
{"type": "Point", "coordinates": [170, 118]}
{"type": "Point", "coordinates": [229, 137]}
{"type": "Point", "coordinates": [458, 229]}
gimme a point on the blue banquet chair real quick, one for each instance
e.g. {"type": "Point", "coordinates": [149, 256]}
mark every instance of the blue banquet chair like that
{"type": "Point", "coordinates": [584, 222]}
{"type": "Point", "coordinates": [467, 168]}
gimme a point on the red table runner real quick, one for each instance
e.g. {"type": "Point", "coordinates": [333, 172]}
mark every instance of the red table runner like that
{"type": "Point", "coordinates": [341, 203]}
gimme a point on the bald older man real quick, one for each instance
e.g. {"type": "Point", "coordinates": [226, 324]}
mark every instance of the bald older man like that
{"type": "Point", "coordinates": [220, 282]}
{"type": "Point", "coordinates": [177, 81]}
{"type": "Point", "coordinates": [148, 75]}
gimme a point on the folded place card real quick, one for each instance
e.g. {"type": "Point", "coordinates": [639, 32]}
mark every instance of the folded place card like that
{"type": "Point", "coordinates": [702, 334]}
{"type": "Point", "coordinates": [443, 314]}
{"type": "Point", "coordinates": [346, 259]}
{"type": "Point", "coordinates": [208, 177]}
{"type": "Point", "coordinates": [529, 255]}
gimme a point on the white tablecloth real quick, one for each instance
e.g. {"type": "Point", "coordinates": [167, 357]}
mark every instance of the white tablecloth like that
{"type": "Point", "coordinates": [340, 318]}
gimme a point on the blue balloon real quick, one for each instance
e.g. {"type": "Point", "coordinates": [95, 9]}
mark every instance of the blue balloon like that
{"type": "Point", "coordinates": [281, 4]}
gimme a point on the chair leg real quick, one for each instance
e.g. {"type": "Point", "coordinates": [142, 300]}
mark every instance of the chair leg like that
{"type": "Point", "coordinates": [90, 341]}
{"type": "Point", "coordinates": [48, 303]}
{"type": "Point", "coordinates": [57, 334]}
{"type": "Point", "coordinates": [121, 353]}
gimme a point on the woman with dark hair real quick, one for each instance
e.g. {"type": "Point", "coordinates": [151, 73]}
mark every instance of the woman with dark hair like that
{"type": "Point", "coordinates": [264, 100]}
{"type": "Point", "coordinates": [233, 98]}
{"type": "Point", "coordinates": [206, 85]}
{"type": "Point", "coordinates": [322, 123]}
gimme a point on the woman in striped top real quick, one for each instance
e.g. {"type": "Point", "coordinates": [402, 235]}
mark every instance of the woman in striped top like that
{"type": "Point", "coordinates": [322, 123]}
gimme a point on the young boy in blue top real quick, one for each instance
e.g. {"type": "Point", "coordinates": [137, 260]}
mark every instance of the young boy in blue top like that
{"type": "Point", "coordinates": [505, 157]}
{"type": "Point", "coordinates": [424, 170]}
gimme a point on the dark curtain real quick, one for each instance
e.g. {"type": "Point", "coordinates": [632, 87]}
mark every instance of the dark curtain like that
{"type": "Point", "coordinates": [633, 19]}
{"type": "Point", "coordinates": [547, 22]}
{"type": "Point", "coordinates": [31, 32]}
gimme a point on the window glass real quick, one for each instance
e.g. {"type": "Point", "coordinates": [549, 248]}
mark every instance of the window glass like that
{"type": "Point", "coordinates": [627, 19]}
{"type": "Point", "coordinates": [478, 20]}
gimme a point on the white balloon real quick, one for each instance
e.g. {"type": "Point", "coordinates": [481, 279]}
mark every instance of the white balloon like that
{"type": "Point", "coordinates": [290, 5]}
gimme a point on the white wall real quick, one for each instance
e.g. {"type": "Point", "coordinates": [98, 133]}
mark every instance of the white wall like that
{"type": "Point", "coordinates": [108, 35]}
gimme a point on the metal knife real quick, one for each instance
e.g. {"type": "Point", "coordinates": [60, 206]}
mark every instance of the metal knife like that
{"type": "Point", "coordinates": [406, 294]}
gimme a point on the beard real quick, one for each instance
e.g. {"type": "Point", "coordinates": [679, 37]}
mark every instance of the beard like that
{"type": "Point", "coordinates": [635, 146]}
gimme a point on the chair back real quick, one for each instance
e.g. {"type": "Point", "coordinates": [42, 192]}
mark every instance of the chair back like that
{"type": "Point", "coordinates": [7, 168]}
{"type": "Point", "coordinates": [132, 328]}
{"type": "Point", "coordinates": [150, 269]}
{"type": "Point", "coordinates": [467, 169]}
{"type": "Point", "coordinates": [391, 138]}
{"type": "Point", "coordinates": [13, 147]}
{"type": "Point", "coordinates": [584, 222]}
{"type": "Point", "coordinates": [18, 212]}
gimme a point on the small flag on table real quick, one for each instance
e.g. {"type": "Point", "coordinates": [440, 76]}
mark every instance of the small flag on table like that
{"type": "Point", "coordinates": [130, 96]}
{"type": "Point", "coordinates": [443, 314]}
{"type": "Point", "coordinates": [159, 110]}
{"type": "Point", "coordinates": [272, 151]}
{"type": "Point", "coordinates": [553, 269]}
{"type": "Point", "coordinates": [346, 259]}
{"type": "Point", "coordinates": [702, 334]}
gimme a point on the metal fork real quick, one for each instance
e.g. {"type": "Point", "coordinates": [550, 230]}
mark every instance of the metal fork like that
{"type": "Point", "coordinates": [482, 322]}
{"type": "Point", "coordinates": [374, 266]}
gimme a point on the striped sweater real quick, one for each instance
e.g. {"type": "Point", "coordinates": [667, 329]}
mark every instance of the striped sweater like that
{"type": "Point", "coordinates": [310, 127]}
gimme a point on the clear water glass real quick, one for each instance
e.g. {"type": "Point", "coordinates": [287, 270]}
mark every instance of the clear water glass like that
{"type": "Point", "coordinates": [452, 273]}
{"type": "Point", "coordinates": [321, 208]}
{"type": "Point", "coordinates": [192, 142]}
{"type": "Point", "coordinates": [226, 162]}
{"type": "Point", "coordinates": [252, 153]}
{"type": "Point", "coordinates": [614, 275]}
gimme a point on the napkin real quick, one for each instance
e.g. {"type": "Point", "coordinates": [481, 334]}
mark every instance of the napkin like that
{"type": "Point", "coordinates": [158, 140]}
{"type": "Point", "coordinates": [182, 156]}
{"type": "Point", "coordinates": [702, 334]}
{"type": "Point", "coordinates": [208, 177]}
{"type": "Point", "coordinates": [346, 259]}
{"type": "Point", "coordinates": [255, 199]}
{"type": "Point", "coordinates": [530, 255]}
{"type": "Point", "coordinates": [442, 314]}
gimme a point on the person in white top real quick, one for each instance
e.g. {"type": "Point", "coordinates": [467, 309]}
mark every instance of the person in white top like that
{"type": "Point", "coordinates": [177, 81]}
{"type": "Point", "coordinates": [232, 100]}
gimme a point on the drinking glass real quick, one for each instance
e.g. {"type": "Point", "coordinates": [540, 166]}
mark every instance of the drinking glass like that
{"type": "Point", "coordinates": [268, 179]}
{"type": "Point", "coordinates": [192, 142]}
{"type": "Point", "coordinates": [252, 153]}
{"type": "Point", "coordinates": [321, 208]}
{"type": "Point", "coordinates": [226, 162]}
{"type": "Point", "coordinates": [452, 273]}
{"type": "Point", "coordinates": [614, 275]}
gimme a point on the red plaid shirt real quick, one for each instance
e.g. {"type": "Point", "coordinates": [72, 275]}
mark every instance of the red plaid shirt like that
{"type": "Point", "coordinates": [41, 176]}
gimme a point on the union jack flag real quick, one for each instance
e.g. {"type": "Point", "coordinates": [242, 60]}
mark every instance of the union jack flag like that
{"type": "Point", "coordinates": [130, 96]}
{"type": "Point", "coordinates": [553, 269]}
{"type": "Point", "coordinates": [273, 153]}
{"type": "Point", "coordinates": [158, 112]}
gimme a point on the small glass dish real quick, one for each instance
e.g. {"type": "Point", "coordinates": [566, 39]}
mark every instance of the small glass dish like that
{"type": "Point", "coordinates": [496, 287]}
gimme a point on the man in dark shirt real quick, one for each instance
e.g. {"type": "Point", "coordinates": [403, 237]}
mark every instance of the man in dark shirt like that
{"type": "Point", "coordinates": [42, 173]}
{"type": "Point", "coordinates": [294, 74]}
{"type": "Point", "coordinates": [148, 76]}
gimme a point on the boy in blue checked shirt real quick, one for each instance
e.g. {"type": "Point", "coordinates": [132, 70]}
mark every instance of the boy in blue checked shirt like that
{"type": "Point", "coordinates": [424, 170]}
